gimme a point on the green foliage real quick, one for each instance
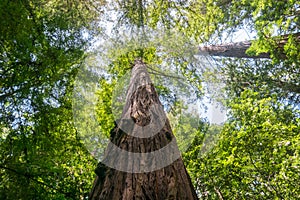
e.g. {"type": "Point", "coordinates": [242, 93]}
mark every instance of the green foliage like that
{"type": "Point", "coordinates": [263, 76]}
{"type": "Point", "coordinates": [43, 153]}
{"type": "Point", "coordinates": [257, 155]}
{"type": "Point", "coordinates": [196, 19]}
{"type": "Point", "coordinates": [41, 46]}
{"type": "Point", "coordinates": [104, 113]}
{"type": "Point", "coordinates": [124, 62]}
{"type": "Point", "coordinates": [250, 158]}
{"type": "Point", "coordinates": [185, 125]}
{"type": "Point", "coordinates": [276, 28]}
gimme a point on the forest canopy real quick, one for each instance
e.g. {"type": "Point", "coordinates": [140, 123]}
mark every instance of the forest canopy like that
{"type": "Point", "coordinates": [62, 63]}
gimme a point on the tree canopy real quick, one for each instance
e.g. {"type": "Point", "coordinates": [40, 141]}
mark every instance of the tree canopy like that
{"type": "Point", "coordinates": [62, 64]}
{"type": "Point", "coordinates": [42, 45]}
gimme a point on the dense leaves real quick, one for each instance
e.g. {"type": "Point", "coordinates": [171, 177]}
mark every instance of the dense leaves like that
{"type": "Point", "coordinates": [43, 153]}
{"type": "Point", "coordinates": [257, 156]}
{"type": "Point", "coordinates": [42, 44]}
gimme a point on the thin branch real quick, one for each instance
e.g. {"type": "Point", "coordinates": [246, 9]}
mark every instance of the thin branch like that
{"type": "Point", "coordinates": [217, 190]}
{"type": "Point", "coordinates": [156, 72]}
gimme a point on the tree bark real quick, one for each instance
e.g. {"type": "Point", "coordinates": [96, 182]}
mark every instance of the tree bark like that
{"type": "Point", "coordinates": [149, 165]}
{"type": "Point", "coordinates": [238, 49]}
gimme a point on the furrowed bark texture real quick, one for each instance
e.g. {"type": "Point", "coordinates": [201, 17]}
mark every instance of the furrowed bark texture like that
{"type": "Point", "coordinates": [154, 181]}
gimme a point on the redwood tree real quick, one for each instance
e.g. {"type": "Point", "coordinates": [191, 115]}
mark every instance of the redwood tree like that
{"type": "Point", "coordinates": [142, 161]}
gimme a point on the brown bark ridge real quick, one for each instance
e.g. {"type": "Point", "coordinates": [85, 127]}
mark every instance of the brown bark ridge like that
{"type": "Point", "coordinates": [238, 49]}
{"type": "Point", "coordinates": [142, 162]}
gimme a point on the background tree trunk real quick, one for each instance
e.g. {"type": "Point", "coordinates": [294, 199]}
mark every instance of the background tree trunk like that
{"type": "Point", "coordinates": [238, 49]}
{"type": "Point", "coordinates": [142, 176]}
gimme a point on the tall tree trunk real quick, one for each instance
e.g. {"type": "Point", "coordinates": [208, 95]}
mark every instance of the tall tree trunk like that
{"type": "Point", "coordinates": [238, 49]}
{"type": "Point", "coordinates": [142, 161]}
